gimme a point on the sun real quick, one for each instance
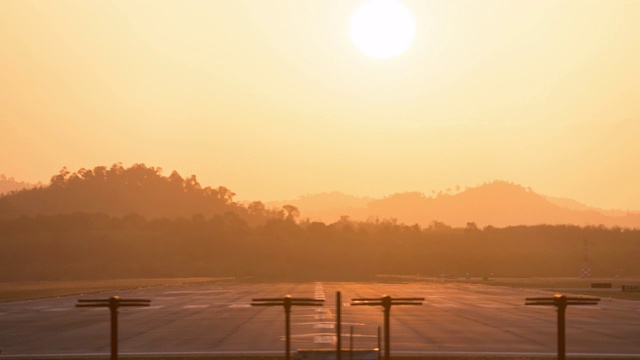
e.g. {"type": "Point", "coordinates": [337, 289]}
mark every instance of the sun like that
{"type": "Point", "coordinates": [382, 29]}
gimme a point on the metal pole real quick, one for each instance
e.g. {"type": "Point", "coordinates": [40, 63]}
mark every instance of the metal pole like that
{"type": "Point", "coordinates": [338, 326]}
{"type": "Point", "coordinates": [287, 311]}
{"type": "Point", "coordinates": [113, 303]}
{"type": "Point", "coordinates": [562, 306]}
{"type": "Point", "coordinates": [561, 302]}
{"type": "Point", "coordinates": [113, 307]}
{"type": "Point", "coordinates": [386, 304]}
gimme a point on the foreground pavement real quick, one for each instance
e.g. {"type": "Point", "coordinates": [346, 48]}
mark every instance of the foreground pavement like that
{"type": "Point", "coordinates": [455, 319]}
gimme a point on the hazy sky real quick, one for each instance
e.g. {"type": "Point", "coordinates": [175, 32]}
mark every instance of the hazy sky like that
{"type": "Point", "coordinates": [271, 98]}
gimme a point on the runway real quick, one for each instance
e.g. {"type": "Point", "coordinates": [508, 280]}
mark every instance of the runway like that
{"type": "Point", "coordinates": [455, 319]}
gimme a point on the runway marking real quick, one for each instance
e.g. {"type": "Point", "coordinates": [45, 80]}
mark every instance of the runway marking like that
{"type": "Point", "coordinates": [57, 309]}
{"type": "Point", "coordinates": [239, 305]}
{"type": "Point", "coordinates": [308, 335]}
{"type": "Point", "coordinates": [319, 292]}
{"type": "Point", "coordinates": [323, 326]}
{"type": "Point", "coordinates": [153, 307]}
{"type": "Point", "coordinates": [354, 324]}
{"type": "Point", "coordinates": [195, 306]}
{"type": "Point", "coordinates": [323, 314]}
{"type": "Point", "coordinates": [324, 339]}
{"type": "Point", "coordinates": [497, 306]}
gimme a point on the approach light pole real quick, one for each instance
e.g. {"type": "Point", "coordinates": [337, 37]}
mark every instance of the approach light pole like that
{"type": "Point", "coordinates": [287, 302]}
{"type": "Point", "coordinates": [386, 302]}
{"type": "Point", "coordinates": [338, 325]}
{"type": "Point", "coordinates": [561, 302]}
{"type": "Point", "coordinates": [113, 303]}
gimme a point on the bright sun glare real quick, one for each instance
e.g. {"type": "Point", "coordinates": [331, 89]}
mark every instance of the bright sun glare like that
{"type": "Point", "coordinates": [382, 28]}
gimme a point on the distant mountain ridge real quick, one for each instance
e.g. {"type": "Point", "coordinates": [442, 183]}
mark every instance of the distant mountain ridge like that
{"type": "Point", "coordinates": [576, 205]}
{"type": "Point", "coordinates": [498, 203]}
{"type": "Point", "coordinates": [143, 190]}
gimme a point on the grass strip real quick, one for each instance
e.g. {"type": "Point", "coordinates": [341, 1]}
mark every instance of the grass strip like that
{"type": "Point", "coordinates": [12, 291]}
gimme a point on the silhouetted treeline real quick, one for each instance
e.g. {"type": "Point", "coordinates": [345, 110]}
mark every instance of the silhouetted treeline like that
{"type": "Point", "coordinates": [89, 246]}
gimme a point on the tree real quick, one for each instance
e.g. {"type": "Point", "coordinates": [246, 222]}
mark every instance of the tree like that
{"type": "Point", "coordinates": [256, 208]}
{"type": "Point", "coordinates": [225, 194]}
{"type": "Point", "coordinates": [60, 179]}
{"type": "Point", "coordinates": [471, 226]}
{"type": "Point", "coordinates": [291, 212]}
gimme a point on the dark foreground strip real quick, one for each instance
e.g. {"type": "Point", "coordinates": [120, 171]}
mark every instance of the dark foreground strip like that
{"type": "Point", "coordinates": [277, 355]}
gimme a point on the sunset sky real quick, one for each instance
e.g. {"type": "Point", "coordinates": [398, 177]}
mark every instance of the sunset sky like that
{"type": "Point", "coordinates": [272, 99]}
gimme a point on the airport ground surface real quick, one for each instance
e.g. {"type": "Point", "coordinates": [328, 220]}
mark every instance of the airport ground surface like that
{"type": "Point", "coordinates": [206, 319]}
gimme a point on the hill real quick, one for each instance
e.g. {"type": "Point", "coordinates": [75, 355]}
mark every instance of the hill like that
{"type": "Point", "coordinates": [119, 191]}
{"type": "Point", "coordinates": [575, 205]}
{"type": "Point", "coordinates": [498, 203]}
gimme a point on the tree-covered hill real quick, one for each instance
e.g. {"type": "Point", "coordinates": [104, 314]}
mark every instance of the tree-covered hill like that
{"type": "Point", "coordinates": [118, 191]}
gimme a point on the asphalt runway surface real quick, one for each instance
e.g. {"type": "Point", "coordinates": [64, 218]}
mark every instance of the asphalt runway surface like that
{"type": "Point", "coordinates": [455, 319]}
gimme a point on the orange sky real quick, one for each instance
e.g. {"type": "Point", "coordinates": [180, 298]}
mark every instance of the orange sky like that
{"type": "Point", "coordinates": [271, 99]}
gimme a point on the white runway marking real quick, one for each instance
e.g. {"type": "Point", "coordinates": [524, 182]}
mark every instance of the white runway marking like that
{"type": "Point", "coordinates": [57, 309]}
{"type": "Point", "coordinates": [323, 326]}
{"type": "Point", "coordinates": [195, 306]}
{"type": "Point", "coordinates": [324, 339]}
{"type": "Point", "coordinates": [352, 324]}
{"type": "Point", "coordinates": [239, 305]}
{"type": "Point", "coordinates": [153, 307]}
